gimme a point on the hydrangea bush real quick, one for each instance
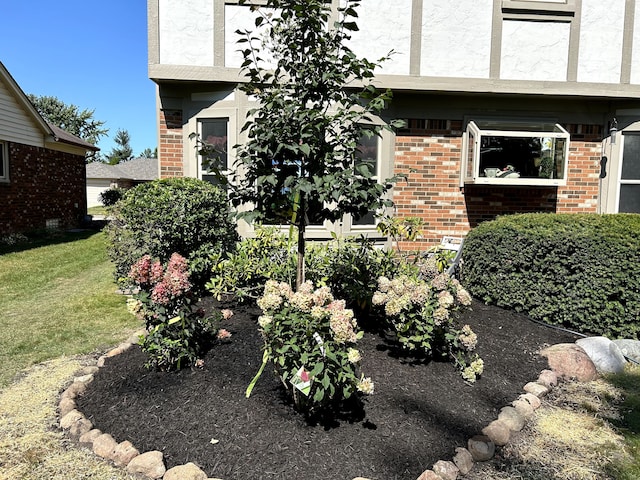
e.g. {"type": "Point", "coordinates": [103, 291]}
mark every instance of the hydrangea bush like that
{"type": "Point", "coordinates": [178, 333]}
{"type": "Point", "coordinates": [311, 339]}
{"type": "Point", "coordinates": [421, 314]}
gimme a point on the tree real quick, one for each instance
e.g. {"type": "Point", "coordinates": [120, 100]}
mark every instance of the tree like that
{"type": "Point", "coordinates": [148, 153]}
{"type": "Point", "coordinates": [122, 151]}
{"type": "Point", "coordinates": [70, 118]}
{"type": "Point", "coordinates": [314, 107]}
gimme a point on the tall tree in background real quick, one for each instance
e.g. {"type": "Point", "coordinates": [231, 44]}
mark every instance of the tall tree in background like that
{"type": "Point", "coordinates": [71, 119]}
{"type": "Point", "coordinates": [148, 153]}
{"type": "Point", "coordinates": [315, 104]}
{"type": "Point", "coordinates": [122, 151]}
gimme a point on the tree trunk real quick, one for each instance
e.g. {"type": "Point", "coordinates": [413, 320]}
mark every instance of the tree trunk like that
{"type": "Point", "coordinates": [301, 229]}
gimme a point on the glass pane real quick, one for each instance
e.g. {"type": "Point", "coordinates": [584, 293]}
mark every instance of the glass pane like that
{"type": "Point", "coordinates": [517, 126]}
{"type": "Point", "coordinates": [524, 157]}
{"type": "Point", "coordinates": [629, 199]}
{"type": "Point", "coordinates": [2, 160]}
{"type": "Point", "coordinates": [214, 132]}
{"type": "Point", "coordinates": [368, 219]}
{"type": "Point", "coordinates": [470, 147]}
{"type": "Point", "coordinates": [631, 157]}
{"type": "Point", "coordinates": [368, 153]}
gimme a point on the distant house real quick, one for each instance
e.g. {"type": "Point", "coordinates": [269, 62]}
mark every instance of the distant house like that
{"type": "Point", "coordinates": [42, 168]}
{"type": "Point", "coordinates": [102, 176]}
{"type": "Point", "coordinates": [510, 105]}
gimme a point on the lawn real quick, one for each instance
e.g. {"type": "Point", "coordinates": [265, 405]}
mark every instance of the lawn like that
{"type": "Point", "coordinates": [57, 297]}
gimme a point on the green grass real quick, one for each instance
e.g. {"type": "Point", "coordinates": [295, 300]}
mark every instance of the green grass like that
{"type": "Point", "coordinates": [58, 299]}
{"type": "Point", "coordinates": [99, 210]}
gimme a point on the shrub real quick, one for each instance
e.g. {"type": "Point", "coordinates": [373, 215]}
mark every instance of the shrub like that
{"type": "Point", "coordinates": [310, 337]}
{"type": "Point", "coordinates": [181, 215]}
{"type": "Point", "coordinates": [178, 333]}
{"type": "Point", "coordinates": [244, 272]}
{"type": "Point", "coordinates": [110, 197]}
{"type": "Point", "coordinates": [422, 316]}
{"type": "Point", "coordinates": [579, 271]}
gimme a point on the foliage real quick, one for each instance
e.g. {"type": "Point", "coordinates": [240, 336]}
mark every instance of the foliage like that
{"type": "Point", "coordinates": [122, 152]}
{"type": "Point", "coordinates": [310, 337]}
{"type": "Point", "coordinates": [300, 160]}
{"type": "Point", "coordinates": [111, 196]}
{"type": "Point", "coordinates": [580, 271]}
{"type": "Point", "coordinates": [422, 316]}
{"type": "Point", "coordinates": [148, 153]}
{"type": "Point", "coordinates": [243, 272]}
{"type": "Point", "coordinates": [181, 215]}
{"type": "Point", "coordinates": [70, 118]}
{"type": "Point", "coordinates": [178, 333]}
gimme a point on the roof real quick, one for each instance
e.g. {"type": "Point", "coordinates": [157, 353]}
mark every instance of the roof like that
{"type": "Point", "coordinates": [58, 134]}
{"type": "Point", "coordinates": [138, 169]}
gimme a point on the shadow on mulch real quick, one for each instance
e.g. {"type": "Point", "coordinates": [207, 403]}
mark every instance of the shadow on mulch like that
{"type": "Point", "coordinates": [419, 413]}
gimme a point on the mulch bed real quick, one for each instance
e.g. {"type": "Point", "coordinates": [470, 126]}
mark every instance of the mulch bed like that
{"type": "Point", "coordinates": [420, 412]}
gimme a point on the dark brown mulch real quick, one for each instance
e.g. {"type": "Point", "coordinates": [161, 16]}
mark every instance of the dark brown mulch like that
{"type": "Point", "coordinates": [418, 414]}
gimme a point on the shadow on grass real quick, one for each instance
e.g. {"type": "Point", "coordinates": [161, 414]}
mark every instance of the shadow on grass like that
{"type": "Point", "coordinates": [46, 238]}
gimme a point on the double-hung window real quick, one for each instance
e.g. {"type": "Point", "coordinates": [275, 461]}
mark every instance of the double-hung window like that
{"type": "Point", "coordinates": [214, 132]}
{"type": "Point", "coordinates": [4, 162]}
{"type": "Point", "coordinates": [368, 154]}
{"type": "Point", "coordinates": [515, 153]}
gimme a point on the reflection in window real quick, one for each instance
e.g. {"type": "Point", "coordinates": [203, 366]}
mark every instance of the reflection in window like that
{"type": "Point", "coordinates": [214, 132]}
{"type": "Point", "coordinates": [367, 155]}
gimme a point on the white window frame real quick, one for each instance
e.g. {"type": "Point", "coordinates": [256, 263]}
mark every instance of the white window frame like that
{"type": "Point", "coordinates": [620, 157]}
{"type": "Point", "coordinates": [470, 170]}
{"type": "Point", "coordinates": [4, 162]}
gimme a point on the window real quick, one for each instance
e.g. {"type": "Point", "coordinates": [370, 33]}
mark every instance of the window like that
{"type": "Point", "coordinates": [515, 153]}
{"type": "Point", "coordinates": [368, 154]}
{"type": "Point", "coordinates": [629, 196]}
{"type": "Point", "coordinates": [554, 7]}
{"type": "Point", "coordinates": [214, 132]}
{"type": "Point", "coordinates": [4, 163]}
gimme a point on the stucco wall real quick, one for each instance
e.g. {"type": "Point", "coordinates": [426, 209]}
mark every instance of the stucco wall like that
{"type": "Point", "coordinates": [186, 28]}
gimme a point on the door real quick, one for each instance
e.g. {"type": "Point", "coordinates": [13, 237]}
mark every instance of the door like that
{"type": "Point", "coordinates": [629, 183]}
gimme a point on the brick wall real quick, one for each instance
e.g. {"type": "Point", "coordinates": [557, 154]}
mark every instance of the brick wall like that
{"type": "Point", "coordinates": [44, 185]}
{"type": "Point", "coordinates": [429, 152]}
{"type": "Point", "coordinates": [170, 148]}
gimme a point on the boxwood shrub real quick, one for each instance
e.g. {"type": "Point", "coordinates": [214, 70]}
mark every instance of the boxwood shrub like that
{"type": "Point", "coordinates": [581, 271]}
{"type": "Point", "coordinates": [175, 215]}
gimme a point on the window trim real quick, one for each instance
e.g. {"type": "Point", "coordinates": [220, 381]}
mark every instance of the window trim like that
{"type": "Point", "coordinates": [540, 7]}
{"type": "Point", "coordinates": [4, 161]}
{"type": "Point", "coordinates": [200, 170]}
{"type": "Point", "coordinates": [470, 175]}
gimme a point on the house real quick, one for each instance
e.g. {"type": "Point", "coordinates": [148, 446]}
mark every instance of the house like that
{"type": "Point", "coordinates": [510, 105]}
{"type": "Point", "coordinates": [102, 176]}
{"type": "Point", "coordinates": [42, 167]}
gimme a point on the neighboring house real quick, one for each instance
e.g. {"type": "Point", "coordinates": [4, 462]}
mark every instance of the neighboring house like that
{"type": "Point", "coordinates": [511, 105]}
{"type": "Point", "coordinates": [42, 168]}
{"type": "Point", "coordinates": [102, 176]}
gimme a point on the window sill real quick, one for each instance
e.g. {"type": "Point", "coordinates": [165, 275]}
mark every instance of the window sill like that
{"type": "Point", "coordinates": [518, 182]}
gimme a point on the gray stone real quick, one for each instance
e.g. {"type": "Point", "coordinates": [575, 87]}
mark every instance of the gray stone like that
{"type": "Point", "coordinates": [463, 460]}
{"type": "Point", "coordinates": [86, 440]}
{"type": "Point", "coordinates": [511, 418]}
{"type": "Point", "coordinates": [105, 446]}
{"type": "Point", "coordinates": [498, 432]}
{"type": "Point", "coordinates": [125, 452]}
{"type": "Point", "coordinates": [148, 464]}
{"type": "Point", "coordinates": [604, 354]}
{"type": "Point", "coordinates": [189, 471]}
{"type": "Point", "coordinates": [570, 361]}
{"type": "Point", "coordinates": [66, 405]}
{"type": "Point", "coordinates": [446, 470]}
{"type": "Point", "coordinates": [80, 427]}
{"type": "Point", "coordinates": [75, 389]}
{"type": "Point", "coordinates": [524, 408]}
{"type": "Point", "coordinates": [86, 379]}
{"type": "Point", "coordinates": [429, 475]}
{"type": "Point", "coordinates": [536, 389]}
{"type": "Point", "coordinates": [70, 418]}
{"type": "Point", "coordinates": [481, 448]}
{"type": "Point", "coordinates": [531, 399]}
{"type": "Point", "coordinates": [548, 378]}
{"type": "Point", "coordinates": [629, 348]}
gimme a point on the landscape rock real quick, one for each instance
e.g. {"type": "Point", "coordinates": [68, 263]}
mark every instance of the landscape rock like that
{"type": "Point", "coordinates": [75, 389]}
{"type": "Point", "coordinates": [148, 464]}
{"type": "Point", "coordinates": [125, 452]}
{"type": "Point", "coordinates": [604, 354]}
{"type": "Point", "coordinates": [531, 399]}
{"type": "Point", "coordinates": [86, 440]}
{"type": "Point", "coordinates": [570, 361]}
{"type": "Point", "coordinates": [481, 448]}
{"type": "Point", "coordinates": [66, 405]}
{"type": "Point", "coordinates": [101, 360]}
{"type": "Point", "coordinates": [80, 427]}
{"type": "Point", "coordinates": [498, 432]}
{"type": "Point", "coordinates": [429, 475]}
{"type": "Point", "coordinates": [86, 379]}
{"type": "Point", "coordinates": [629, 348]}
{"type": "Point", "coordinates": [524, 408]}
{"type": "Point", "coordinates": [70, 418]}
{"type": "Point", "coordinates": [89, 370]}
{"type": "Point", "coordinates": [548, 378]}
{"type": "Point", "coordinates": [446, 470]}
{"type": "Point", "coordinates": [105, 446]}
{"type": "Point", "coordinates": [511, 418]}
{"type": "Point", "coordinates": [463, 460]}
{"type": "Point", "coordinates": [189, 471]}
{"type": "Point", "coordinates": [536, 389]}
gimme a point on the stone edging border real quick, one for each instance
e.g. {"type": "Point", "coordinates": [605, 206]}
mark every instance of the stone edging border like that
{"type": "Point", "coordinates": [150, 465]}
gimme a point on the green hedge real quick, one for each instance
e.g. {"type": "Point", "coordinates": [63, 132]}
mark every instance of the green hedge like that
{"type": "Point", "coordinates": [577, 270]}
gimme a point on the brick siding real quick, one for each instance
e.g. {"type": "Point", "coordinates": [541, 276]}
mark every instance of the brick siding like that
{"type": "Point", "coordinates": [170, 149]}
{"type": "Point", "coordinates": [429, 153]}
{"type": "Point", "coordinates": [43, 185]}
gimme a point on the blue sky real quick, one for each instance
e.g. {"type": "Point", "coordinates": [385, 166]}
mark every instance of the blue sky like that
{"type": "Point", "coordinates": [86, 53]}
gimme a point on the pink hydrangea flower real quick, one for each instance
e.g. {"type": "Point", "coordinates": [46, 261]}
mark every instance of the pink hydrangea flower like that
{"type": "Point", "coordinates": [226, 313]}
{"type": "Point", "coordinates": [223, 334]}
